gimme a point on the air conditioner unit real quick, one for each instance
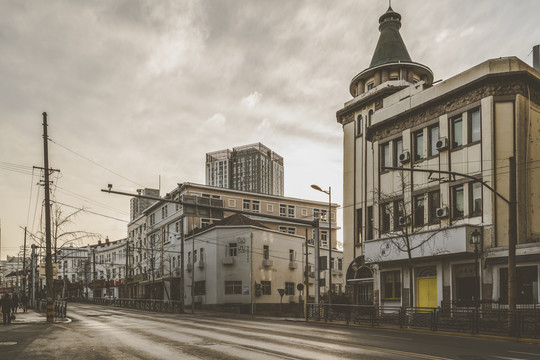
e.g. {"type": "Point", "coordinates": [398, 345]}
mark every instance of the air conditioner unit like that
{"type": "Point", "coordinates": [404, 220]}
{"type": "Point", "coordinates": [201, 264]}
{"type": "Point", "coordinates": [293, 265]}
{"type": "Point", "coordinates": [404, 157]}
{"type": "Point", "coordinates": [442, 144]}
{"type": "Point", "coordinates": [291, 298]}
{"type": "Point", "coordinates": [442, 212]}
{"type": "Point", "coordinates": [267, 262]}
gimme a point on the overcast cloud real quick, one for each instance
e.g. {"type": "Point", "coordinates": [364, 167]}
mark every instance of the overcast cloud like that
{"type": "Point", "coordinates": [146, 88]}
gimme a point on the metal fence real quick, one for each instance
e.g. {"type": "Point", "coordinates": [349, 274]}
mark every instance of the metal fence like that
{"type": "Point", "coordinates": [523, 323]}
{"type": "Point", "coordinates": [168, 306]}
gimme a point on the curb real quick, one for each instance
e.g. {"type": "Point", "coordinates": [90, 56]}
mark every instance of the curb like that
{"type": "Point", "coordinates": [446, 333]}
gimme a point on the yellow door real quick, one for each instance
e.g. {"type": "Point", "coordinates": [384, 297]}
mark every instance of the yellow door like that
{"type": "Point", "coordinates": [426, 292]}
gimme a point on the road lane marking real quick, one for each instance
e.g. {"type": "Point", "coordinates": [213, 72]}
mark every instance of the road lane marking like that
{"type": "Point", "coordinates": [524, 353]}
{"type": "Point", "coordinates": [392, 337]}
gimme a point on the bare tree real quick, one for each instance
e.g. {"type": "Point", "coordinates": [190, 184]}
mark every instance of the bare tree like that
{"type": "Point", "coordinates": [403, 224]}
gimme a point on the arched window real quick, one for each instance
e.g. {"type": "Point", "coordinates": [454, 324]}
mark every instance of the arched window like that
{"type": "Point", "coordinates": [359, 125]}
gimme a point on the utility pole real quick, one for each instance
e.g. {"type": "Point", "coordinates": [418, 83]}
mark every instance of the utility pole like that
{"type": "Point", "coordinates": [317, 261]}
{"type": "Point", "coordinates": [306, 275]}
{"type": "Point", "coordinates": [193, 275]}
{"type": "Point", "coordinates": [94, 271]}
{"type": "Point", "coordinates": [34, 275]}
{"type": "Point", "coordinates": [24, 263]}
{"type": "Point", "coordinates": [126, 273]}
{"type": "Point", "coordinates": [182, 264]}
{"type": "Point", "coordinates": [48, 258]}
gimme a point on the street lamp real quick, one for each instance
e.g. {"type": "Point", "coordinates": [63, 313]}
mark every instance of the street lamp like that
{"type": "Point", "coordinates": [329, 218]}
{"type": "Point", "coordinates": [475, 238]}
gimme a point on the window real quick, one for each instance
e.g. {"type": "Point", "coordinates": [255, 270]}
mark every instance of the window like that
{"type": "Point", "coordinates": [385, 156]}
{"type": "Point", "coordinates": [359, 125]}
{"type": "Point", "coordinates": [291, 255]}
{"type": "Point", "coordinates": [256, 206]}
{"type": "Point", "coordinates": [233, 287]}
{"type": "Point", "coordinates": [266, 287]}
{"type": "Point", "coordinates": [527, 285]}
{"type": "Point", "coordinates": [457, 132]}
{"type": "Point", "coordinates": [315, 214]}
{"type": "Point", "coordinates": [322, 282]}
{"type": "Point", "coordinates": [391, 285]}
{"type": "Point", "coordinates": [386, 213]}
{"type": "Point", "coordinates": [475, 194]}
{"type": "Point", "coordinates": [233, 250]}
{"type": "Point", "coordinates": [457, 202]}
{"type": "Point", "coordinates": [359, 223]}
{"type": "Point", "coordinates": [200, 288]}
{"type": "Point", "coordinates": [370, 85]}
{"type": "Point", "coordinates": [474, 126]}
{"type": "Point", "coordinates": [398, 150]}
{"type": "Point", "coordinates": [291, 230]}
{"type": "Point", "coordinates": [270, 208]}
{"type": "Point", "coordinates": [194, 256]}
{"type": "Point", "coordinates": [398, 212]}
{"type": "Point", "coordinates": [418, 210]}
{"type": "Point", "coordinates": [433, 138]}
{"type": "Point", "coordinates": [289, 288]}
{"type": "Point", "coordinates": [152, 219]}
{"type": "Point", "coordinates": [369, 223]}
{"type": "Point", "coordinates": [324, 238]}
{"type": "Point", "coordinates": [266, 252]}
{"type": "Point", "coordinates": [370, 118]}
{"type": "Point", "coordinates": [232, 203]}
{"type": "Point", "coordinates": [246, 205]}
{"type": "Point", "coordinates": [282, 229]}
{"type": "Point", "coordinates": [418, 141]}
{"type": "Point", "coordinates": [291, 211]}
{"type": "Point", "coordinates": [282, 210]}
{"type": "Point", "coordinates": [433, 205]}
{"type": "Point", "coordinates": [323, 263]}
{"type": "Point", "coordinates": [164, 212]}
{"type": "Point", "coordinates": [340, 264]}
{"type": "Point", "coordinates": [205, 223]}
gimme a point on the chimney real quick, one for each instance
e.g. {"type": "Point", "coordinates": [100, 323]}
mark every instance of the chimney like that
{"type": "Point", "coordinates": [107, 240]}
{"type": "Point", "coordinates": [536, 57]}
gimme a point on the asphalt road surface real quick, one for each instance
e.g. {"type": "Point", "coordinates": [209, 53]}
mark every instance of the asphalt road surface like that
{"type": "Point", "coordinates": [101, 332]}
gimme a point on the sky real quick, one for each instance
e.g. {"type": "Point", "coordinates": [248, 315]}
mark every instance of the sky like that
{"type": "Point", "coordinates": [137, 92]}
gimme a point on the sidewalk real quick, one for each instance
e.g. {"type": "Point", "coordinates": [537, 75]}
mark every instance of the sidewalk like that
{"type": "Point", "coordinates": [33, 317]}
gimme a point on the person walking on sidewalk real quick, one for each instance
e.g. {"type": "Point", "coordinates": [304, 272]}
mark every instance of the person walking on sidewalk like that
{"type": "Point", "coordinates": [7, 304]}
{"type": "Point", "coordinates": [24, 301]}
{"type": "Point", "coordinates": [15, 301]}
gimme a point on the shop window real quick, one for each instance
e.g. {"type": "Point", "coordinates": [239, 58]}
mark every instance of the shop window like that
{"type": "Point", "coordinates": [391, 285]}
{"type": "Point", "coordinates": [527, 285]}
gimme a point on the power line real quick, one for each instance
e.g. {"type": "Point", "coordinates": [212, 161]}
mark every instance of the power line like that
{"type": "Point", "coordinates": [95, 163]}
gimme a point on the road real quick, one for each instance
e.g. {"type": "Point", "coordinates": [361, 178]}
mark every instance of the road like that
{"type": "Point", "coordinates": [100, 332]}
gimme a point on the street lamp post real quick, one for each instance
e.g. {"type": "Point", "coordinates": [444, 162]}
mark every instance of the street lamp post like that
{"type": "Point", "coordinates": [329, 218]}
{"type": "Point", "coordinates": [475, 240]}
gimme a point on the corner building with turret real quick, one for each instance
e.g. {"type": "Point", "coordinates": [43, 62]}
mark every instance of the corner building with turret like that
{"type": "Point", "coordinates": [427, 174]}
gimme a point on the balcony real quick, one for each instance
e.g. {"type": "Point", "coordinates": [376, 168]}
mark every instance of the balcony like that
{"type": "Point", "coordinates": [440, 242]}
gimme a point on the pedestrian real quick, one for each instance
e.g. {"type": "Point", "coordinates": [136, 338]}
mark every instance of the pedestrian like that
{"type": "Point", "coordinates": [7, 304]}
{"type": "Point", "coordinates": [15, 301]}
{"type": "Point", "coordinates": [24, 301]}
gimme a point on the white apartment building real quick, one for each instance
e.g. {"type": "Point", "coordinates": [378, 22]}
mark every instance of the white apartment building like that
{"type": "Point", "coordinates": [107, 262]}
